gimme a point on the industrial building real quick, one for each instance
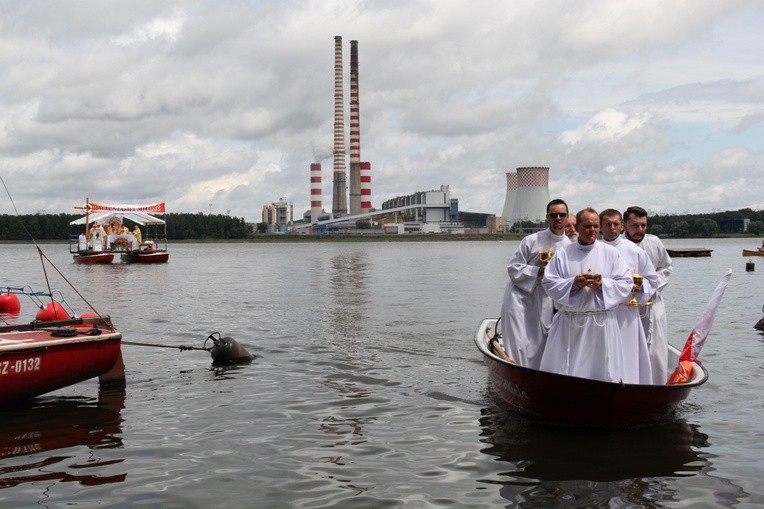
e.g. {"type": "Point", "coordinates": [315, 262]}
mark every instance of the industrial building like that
{"type": "Point", "coordinates": [276, 216]}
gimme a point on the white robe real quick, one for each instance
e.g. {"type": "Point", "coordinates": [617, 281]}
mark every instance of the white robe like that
{"type": "Point", "coordinates": [654, 322]}
{"type": "Point", "coordinates": [637, 364]}
{"type": "Point", "coordinates": [585, 339]}
{"type": "Point", "coordinates": [526, 312]}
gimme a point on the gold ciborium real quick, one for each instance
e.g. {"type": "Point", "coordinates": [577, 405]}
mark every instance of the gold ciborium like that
{"type": "Point", "coordinates": [635, 288]}
{"type": "Point", "coordinates": [545, 256]}
{"type": "Point", "coordinates": [592, 277]}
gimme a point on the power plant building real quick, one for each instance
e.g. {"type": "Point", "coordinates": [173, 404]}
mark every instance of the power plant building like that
{"type": "Point", "coordinates": [427, 211]}
{"type": "Point", "coordinates": [276, 216]}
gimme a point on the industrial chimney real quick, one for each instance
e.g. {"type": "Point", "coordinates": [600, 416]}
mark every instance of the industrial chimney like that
{"type": "Point", "coordinates": [365, 177]}
{"type": "Point", "coordinates": [355, 134]}
{"type": "Point", "coordinates": [315, 192]}
{"type": "Point", "coordinates": [339, 190]}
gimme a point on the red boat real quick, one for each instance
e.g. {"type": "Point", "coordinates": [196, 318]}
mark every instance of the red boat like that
{"type": "Point", "coordinates": [574, 400]}
{"type": "Point", "coordinates": [93, 257]}
{"type": "Point", "coordinates": [44, 356]}
{"type": "Point", "coordinates": [147, 254]}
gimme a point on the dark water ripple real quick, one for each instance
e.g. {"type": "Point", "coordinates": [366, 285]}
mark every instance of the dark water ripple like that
{"type": "Point", "coordinates": [366, 391]}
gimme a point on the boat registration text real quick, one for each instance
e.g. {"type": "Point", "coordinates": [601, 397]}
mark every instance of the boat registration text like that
{"type": "Point", "coordinates": [20, 366]}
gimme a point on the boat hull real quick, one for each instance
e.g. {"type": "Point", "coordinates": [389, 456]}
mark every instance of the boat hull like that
{"type": "Point", "coordinates": [35, 361]}
{"type": "Point", "coordinates": [748, 252]}
{"type": "Point", "coordinates": [94, 257]}
{"type": "Point", "coordinates": [145, 257]}
{"type": "Point", "coordinates": [689, 252]}
{"type": "Point", "coordinates": [575, 400]}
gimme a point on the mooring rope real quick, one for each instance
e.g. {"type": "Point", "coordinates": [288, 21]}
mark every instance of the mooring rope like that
{"type": "Point", "coordinates": [182, 348]}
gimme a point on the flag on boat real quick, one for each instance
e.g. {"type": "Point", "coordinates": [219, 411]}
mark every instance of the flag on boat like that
{"type": "Point", "coordinates": [697, 337]}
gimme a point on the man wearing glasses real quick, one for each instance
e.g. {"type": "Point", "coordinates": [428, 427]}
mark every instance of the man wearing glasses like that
{"type": "Point", "coordinates": [526, 312]}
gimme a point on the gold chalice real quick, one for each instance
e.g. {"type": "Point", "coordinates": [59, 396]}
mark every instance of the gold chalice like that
{"type": "Point", "coordinates": [545, 256]}
{"type": "Point", "coordinates": [635, 288]}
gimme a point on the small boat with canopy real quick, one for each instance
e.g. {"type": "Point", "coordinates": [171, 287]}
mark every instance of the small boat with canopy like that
{"type": "Point", "coordinates": [106, 233]}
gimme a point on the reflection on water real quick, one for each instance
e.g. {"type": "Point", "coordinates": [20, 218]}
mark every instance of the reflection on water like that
{"type": "Point", "coordinates": [57, 439]}
{"type": "Point", "coordinates": [348, 289]}
{"type": "Point", "coordinates": [550, 466]}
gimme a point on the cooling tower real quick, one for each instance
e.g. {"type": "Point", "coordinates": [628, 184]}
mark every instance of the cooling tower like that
{"type": "Point", "coordinates": [532, 194]}
{"type": "Point", "coordinates": [355, 133]}
{"type": "Point", "coordinates": [315, 192]}
{"type": "Point", "coordinates": [365, 187]}
{"type": "Point", "coordinates": [339, 188]}
{"type": "Point", "coordinates": [509, 200]}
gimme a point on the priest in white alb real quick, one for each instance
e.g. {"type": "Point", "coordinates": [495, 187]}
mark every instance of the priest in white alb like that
{"type": "Point", "coordinates": [586, 280]}
{"type": "Point", "coordinates": [637, 362]}
{"type": "Point", "coordinates": [526, 311]}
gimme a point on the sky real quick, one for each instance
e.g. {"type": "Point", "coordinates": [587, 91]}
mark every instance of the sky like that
{"type": "Point", "coordinates": [221, 107]}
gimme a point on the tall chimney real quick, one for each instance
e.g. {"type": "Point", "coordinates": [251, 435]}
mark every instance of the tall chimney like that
{"type": "Point", "coordinates": [315, 192]}
{"type": "Point", "coordinates": [355, 134]}
{"type": "Point", "coordinates": [365, 187]}
{"type": "Point", "coordinates": [339, 194]}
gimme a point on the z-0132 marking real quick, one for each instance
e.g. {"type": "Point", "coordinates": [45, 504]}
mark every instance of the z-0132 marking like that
{"type": "Point", "coordinates": [20, 366]}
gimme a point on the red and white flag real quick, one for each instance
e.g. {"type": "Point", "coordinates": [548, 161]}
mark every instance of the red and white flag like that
{"type": "Point", "coordinates": [697, 337]}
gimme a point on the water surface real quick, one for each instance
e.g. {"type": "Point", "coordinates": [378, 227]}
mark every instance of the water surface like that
{"type": "Point", "coordinates": [366, 390]}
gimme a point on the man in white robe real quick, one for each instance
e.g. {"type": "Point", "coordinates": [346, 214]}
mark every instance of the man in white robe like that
{"type": "Point", "coordinates": [654, 322]}
{"type": "Point", "coordinates": [636, 355]}
{"type": "Point", "coordinates": [526, 312]}
{"type": "Point", "coordinates": [587, 280]}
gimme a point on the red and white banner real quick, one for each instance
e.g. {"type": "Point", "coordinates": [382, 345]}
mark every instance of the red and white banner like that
{"type": "Point", "coordinates": [154, 208]}
{"type": "Point", "coordinates": [697, 337]}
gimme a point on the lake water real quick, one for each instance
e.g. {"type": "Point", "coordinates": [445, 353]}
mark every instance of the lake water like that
{"type": "Point", "coordinates": [367, 389]}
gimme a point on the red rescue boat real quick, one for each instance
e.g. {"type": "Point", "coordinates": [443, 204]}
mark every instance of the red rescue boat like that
{"type": "Point", "coordinates": [574, 400]}
{"type": "Point", "coordinates": [44, 356]}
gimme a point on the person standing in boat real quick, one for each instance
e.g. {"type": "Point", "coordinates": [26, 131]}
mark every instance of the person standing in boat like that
{"type": "Point", "coordinates": [587, 280]}
{"type": "Point", "coordinates": [654, 322]}
{"type": "Point", "coordinates": [138, 236]}
{"type": "Point", "coordinates": [570, 227]}
{"type": "Point", "coordinates": [635, 352]}
{"type": "Point", "coordinates": [526, 311]}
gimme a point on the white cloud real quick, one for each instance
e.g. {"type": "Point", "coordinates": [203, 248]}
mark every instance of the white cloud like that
{"type": "Point", "coordinates": [230, 103]}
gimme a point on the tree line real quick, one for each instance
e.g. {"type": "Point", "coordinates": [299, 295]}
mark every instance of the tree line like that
{"type": "Point", "coordinates": [198, 226]}
{"type": "Point", "coordinates": [691, 225]}
{"type": "Point", "coordinates": [180, 226]}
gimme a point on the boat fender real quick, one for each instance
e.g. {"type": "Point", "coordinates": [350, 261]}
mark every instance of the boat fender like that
{"type": "Point", "coordinates": [52, 311]}
{"type": "Point", "coordinates": [9, 303]}
{"type": "Point", "coordinates": [227, 349]}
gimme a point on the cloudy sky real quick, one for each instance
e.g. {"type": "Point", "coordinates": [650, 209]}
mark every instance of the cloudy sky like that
{"type": "Point", "coordinates": [221, 106]}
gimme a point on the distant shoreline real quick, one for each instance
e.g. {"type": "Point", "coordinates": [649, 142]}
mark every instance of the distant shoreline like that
{"type": "Point", "coordinates": [406, 237]}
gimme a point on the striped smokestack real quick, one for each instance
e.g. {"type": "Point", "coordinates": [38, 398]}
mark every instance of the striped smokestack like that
{"type": "Point", "coordinates": [339, 194]}
{"type": "Point", "coordinates": [355, 134]}
{"type": "Point", "coordinates": [315, 192]}
{"type": "Point", "coordinates": [365, 187]}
